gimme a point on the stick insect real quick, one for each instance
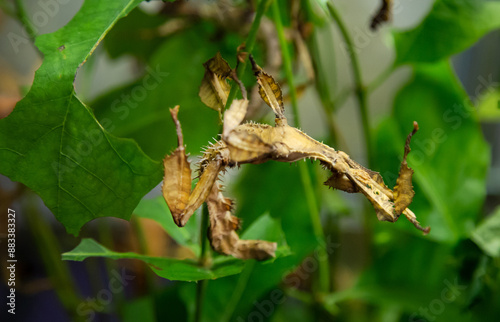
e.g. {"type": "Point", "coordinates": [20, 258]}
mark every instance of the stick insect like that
{"type": "Point", "coordinates": [255, 143]}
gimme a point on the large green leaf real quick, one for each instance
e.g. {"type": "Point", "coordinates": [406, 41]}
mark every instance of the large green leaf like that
{"type": "Point", "coordinates": [52, 142]}
{"type": "Point", "coordinates": [451, 27]}
{"type": "Point", "coordinates": [264, 227]}
{"type": "Point", "coordinates": [170, 268]}
{"type": "Point", "coordinates": [407, 273]}
{"type": "Point", "coordinates": [449, 154]}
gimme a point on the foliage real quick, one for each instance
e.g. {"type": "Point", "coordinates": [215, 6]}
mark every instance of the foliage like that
{"type": "Point", "coordinates": [88, 160]}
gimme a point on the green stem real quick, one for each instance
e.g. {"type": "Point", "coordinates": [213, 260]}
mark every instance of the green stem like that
{"type": "Point", "coordinates": [143, 249]}
{"type": "Point", "coordinates": [380, 79]}
{"type": "Point", "coordinates": [200, 295]}
{"type": "Point", "coordinates": [324, 277]}
{"type": "Point", "coordinates": [105, 235]}
{"type": "Point", "coordinates": [23, 18]}
{"type": "Point", "coordinates": [203, 261]}
{"type": "Point", "coordinates": [205, 252]}
{"type": "Point", "coordinates": [360, 88]}
{"type": "Point", "coordinates": [249, 44]}
{"type": "Point", "coordinates": [324, 91]}
{"type": "Point", "coordinates": [238, 290]}
{"type": "Point", "coordinates": [57, 270]}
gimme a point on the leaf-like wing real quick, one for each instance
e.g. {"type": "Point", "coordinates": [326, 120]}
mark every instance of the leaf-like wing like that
{"type": "Point", "coordinates": [214, 89]}
{"type": "Point", "coordinates": [177, 181]}
{"type": "Point", "coordinates": [383, 206]}
{"type": "Point", "coordinates": [270, 91]}
{"type": "Point", "coordinates": [234, 115]}
{"type": "Point", "coordinates": [403, 191]}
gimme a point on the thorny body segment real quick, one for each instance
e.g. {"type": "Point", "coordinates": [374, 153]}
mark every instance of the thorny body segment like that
{"type": "Point", "coordinates": [257, 143]}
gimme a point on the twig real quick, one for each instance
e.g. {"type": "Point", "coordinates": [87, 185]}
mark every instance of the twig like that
{"type": "Point", "coordinates": [249, 44]}
{"type": "Point", "coordinates": [304, 173]}
{"type": "Point", "coordinates": [360, 89]}
{"type": "Point", "coordinates": [23, 18]}
{"type": "Point", "coordinates": [202, 261]}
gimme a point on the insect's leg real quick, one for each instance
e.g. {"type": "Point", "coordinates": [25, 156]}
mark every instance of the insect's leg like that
{"type": "Point", "coordinates": [177, 181]}
{"type": "Point", "coordinates": [341, 182]}
{"type": "Point", "coordinates": [223, 226]}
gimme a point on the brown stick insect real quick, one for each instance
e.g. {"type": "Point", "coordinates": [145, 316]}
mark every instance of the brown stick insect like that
{"type": "Point", "coordinates": [257, 143]}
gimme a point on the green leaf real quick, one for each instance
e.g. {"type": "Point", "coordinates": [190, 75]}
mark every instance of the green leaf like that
{"type": "Point", "coordinates": [489, 106]}
{"type": "Point", "coordinates": [169, 268]}
{"type": "Point", "coordinates": [410, 285]}
{"type": "Point", "coordinates": [52, 142]}
{"type": "Point", "coordinates": [449, 154]}
{"type": "Point", "coordinates": [185, 270]}
{"type": "Point", "coordinates": [487, 234]}
{"type": "Point", "coordinates": [451, 27]}
{"type": "Point", "coordinates": [156, 209]}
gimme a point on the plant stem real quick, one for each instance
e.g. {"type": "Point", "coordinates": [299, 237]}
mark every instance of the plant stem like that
{"type": "Point", "coordinates": [105, 235]}
{"type": "Point", "coordinates": [238, 290]}
{"type": "Point", "coordinates": [143, 249]}
{"type": "Point", "coordinates": [324, 277]}
{"type": "Point", "coordinates": [57, 270]}
{"type": "Point", "coordinates": [205, 252]}
{"type": "Point", "coordinates": [200, 295]}
{"type": "Point", "coordinates": [324, 92]}
{"type": "Point", "coordinates": [202, 261]}
{"type": "Point", "coordinates": [23, 18]}
{"type": "Point", "coordinates": [249, 44]}
{"type": "Point", "coordinates": [361, 91]}
{"type": "Point", "coordinates": [380, 79]}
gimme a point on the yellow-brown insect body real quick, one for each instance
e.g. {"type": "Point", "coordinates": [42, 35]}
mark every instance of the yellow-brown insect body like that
{"type": "Point", "coordinates": [257, 143]}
